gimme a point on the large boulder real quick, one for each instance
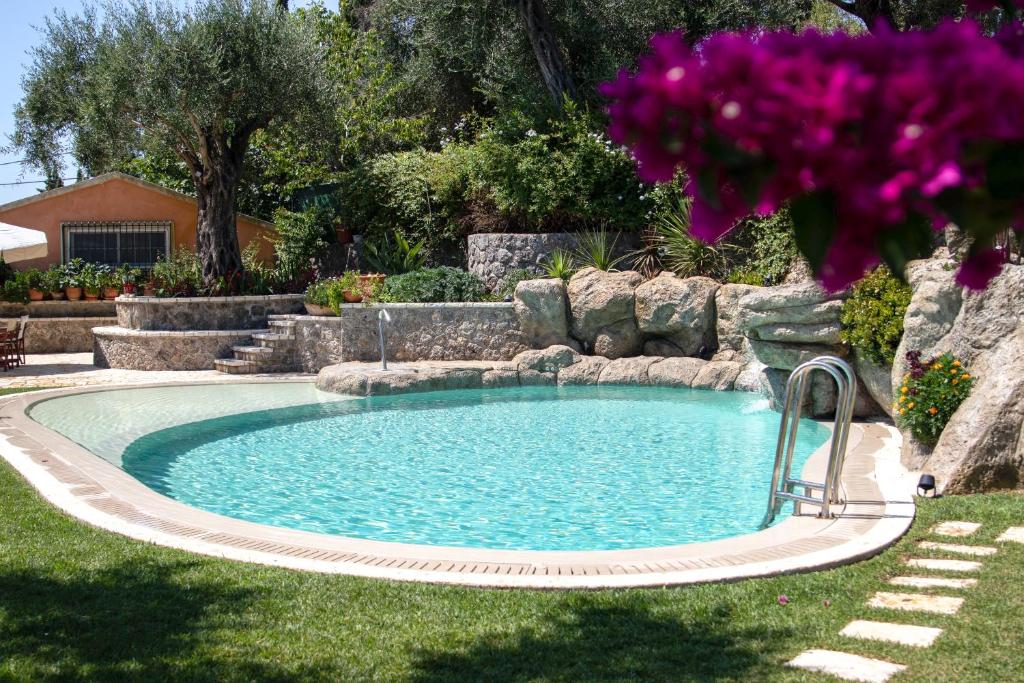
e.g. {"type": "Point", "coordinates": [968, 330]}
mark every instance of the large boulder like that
{"type": "Point", "coordinates": [551, 359]}
{"type": "Point", "coordinates": [681, 310]}
{"type": "Point", "coordinates": [542, 308]}
{"type": "Point", "coordinates": [982, 447]}
{"type": "Point", "coordinates": [727, 307]}
{"type": "Point", "coordinates": [788, 325]}
{"type": "Point", "coordinates": [601, 308]}
{"type": "Point", "coordinates": [586, 371]}
{"type": "Point", "coordinates": [631, 371]}
{"type": "Point", "coordinates": [719, 375]}
{"type": "Point", "coordinates": [675, 372]}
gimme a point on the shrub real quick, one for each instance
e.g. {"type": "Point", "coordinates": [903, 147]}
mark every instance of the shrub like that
{"type": "Point", "coordinates": [745, 276]}
{"type": "Point", "coordinates": [872, 318]}
{"type": "Point", "coordinates": [765, 245]}
{"type": "Point", "coordinates": [394, 258]}
{"type": "Point", "coordinates": [561, 264]}
{"type": "Point", "coordinates": [432, 285]}
{"type": "Point", "coordinates": [679, 251]}
{"type": "Point", "coordinates": [303, 236]}
{"type": "Point", "coordinates": [929, 395]}
{"type": "Point", "coordinates": [178, 275]}
{"type": "Point", "coordinates": [15, 289]}
{"type": "Point", "coordinates": [53, 279]}
{"type": "Point", "coordinates": [507, 286]}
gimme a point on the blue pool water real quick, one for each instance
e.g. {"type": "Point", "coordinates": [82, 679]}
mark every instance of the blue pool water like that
{"type": "Point", "coordinates": [533, 468]}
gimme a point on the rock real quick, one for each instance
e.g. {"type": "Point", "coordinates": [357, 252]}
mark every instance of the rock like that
{"type": "Point", "coordinates": [727, 299]}
{"type": "Point", "coordinates": [675, 372]}
{"type": "Point", "coordinates": [586, 371]}
{"type": "Point", "coordinates": [530, 378]}
{"type": "Point", "coordinates": [550, 360]}
{"type": "Point", "coordinates": [877, 381]}
{"type": "Point", "coordinates": [752, 378]}
{"type": "Point", "coordinates": [601, 306]}
{"type": "Point", "coordinates": [679, 310]}
{"type": "Point", "coordinates": [728, 354]}
{"type": "Point", "coordinates": [719, 375]}
{"type": "Point", "coordinates": [662, 347]}
{"type": "Point", "coordinates": [800, 272]}
{"type": "Point", "coordinates": [797, 333]}
{"type": "Point", "coordinates": [542, 308]}
{"type": "Point", "coordinates": [495, 379]}
{"type": "Point", "coordinates": [933, 308]}
{"type": "Point", "coordinates": [789, 356]}
{"type": "Point", "coordinates": [628, 371]}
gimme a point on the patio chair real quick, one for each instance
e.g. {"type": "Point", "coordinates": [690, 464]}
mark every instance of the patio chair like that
{"type": "Point", "coordinates": [8, 348]}
{"type": "Point", "coordinates": [20, 339]}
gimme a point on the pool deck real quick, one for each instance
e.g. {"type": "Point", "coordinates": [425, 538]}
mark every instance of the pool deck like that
{"type": "Point", "coordinates": [879, 511]}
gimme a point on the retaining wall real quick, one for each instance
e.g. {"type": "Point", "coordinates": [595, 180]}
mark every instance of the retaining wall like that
{"type": "Point", "coordinates": [204, 313]}
{"type": "Point", "coordinates": [117, 347]}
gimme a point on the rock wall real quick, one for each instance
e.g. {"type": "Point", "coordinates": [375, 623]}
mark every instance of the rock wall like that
{"type": "Point", "coordinates": [982, 447]}
{"type": "Point", "coordinates": [62, 335]}
{"type": "Point", "coordinates": [464, 331]}
{"type": "Point", "coordinates": [117, 347]}
{"type": "Point", "coordinates": [204, 313]}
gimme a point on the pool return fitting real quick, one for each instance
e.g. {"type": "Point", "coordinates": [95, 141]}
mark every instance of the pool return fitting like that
{"type": "Point", "coordinates": [783, 484]}
{"type": "Point", "coordinates": [383, 317]}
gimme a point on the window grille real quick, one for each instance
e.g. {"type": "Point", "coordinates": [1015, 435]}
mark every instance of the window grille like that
{"type": "Point", "coordinates": [138, 243]}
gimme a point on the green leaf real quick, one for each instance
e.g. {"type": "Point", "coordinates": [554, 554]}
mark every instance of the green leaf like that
{"type": "Point", "coordinates": [1005, 172]}
{"type": "Point", "coordinates": [814, 224]}
{"type": "Point", "coordinates": [902, 243]}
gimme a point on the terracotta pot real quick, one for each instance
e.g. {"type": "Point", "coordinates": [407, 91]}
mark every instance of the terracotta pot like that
{"type": "Point", "coordinates": [73, 293]}
{"type": "Point", "coordinates": [57, 296]}
{"type": "Point", "coordinates": [351, 297]}
{"type": "Point", "coordinates": [344, 235]}
{"type": "Point", "coordinates": [92, 295]}
{"type": "Point", "coordinates": [370, 282]}
{"type": "Point", "coordinates": [148, 290]}
{"type": "Point", "coordinates": [129, 288]}
{"type": "Point", "coordinates": [313, 309]}
{"type": "Point", "coordinates": [111, 293]}
{"type": "Point", "coordinates": [35, 295]}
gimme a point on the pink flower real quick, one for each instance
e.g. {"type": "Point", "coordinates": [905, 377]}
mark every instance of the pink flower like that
{"type": "Point", "coordinates": [783, 600]}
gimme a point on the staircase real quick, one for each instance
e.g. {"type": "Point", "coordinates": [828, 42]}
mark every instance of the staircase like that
{"type": "Point", "coordinates": [272, 351]}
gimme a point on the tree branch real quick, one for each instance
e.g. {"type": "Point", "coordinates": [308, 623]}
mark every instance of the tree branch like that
{"type": "Point", "coordinates": [868, 11]}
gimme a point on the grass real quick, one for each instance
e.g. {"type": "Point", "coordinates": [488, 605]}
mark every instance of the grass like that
{"type": "Point", "coordinates": [7, 391]}
{"type": "Point", "coordinates": [77, 603]}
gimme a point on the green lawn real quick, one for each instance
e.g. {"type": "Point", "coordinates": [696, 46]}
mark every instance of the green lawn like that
{"type": "Point", "coordinates": [77, 604]}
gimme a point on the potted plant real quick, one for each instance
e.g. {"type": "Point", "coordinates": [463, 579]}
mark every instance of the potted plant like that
{"type": "Point", "coordinates": [53, 282]}
{"type": "Point", "coordinates": [318, 297]}
{"type": "Point", "coordinates": [111, 285]}
{"type": "Point", "coordinates": [34, 280]}
{"type": "Point", "coordinates": [73, 279]}
{"type": "Point", "coordinates": [352, 288]}
{"type": "Point", "coordinates": [92, 281]}
{"type": "Point", "coordinates": [128, 278]}
{"type": "Point", "coordinates": [370, 283]}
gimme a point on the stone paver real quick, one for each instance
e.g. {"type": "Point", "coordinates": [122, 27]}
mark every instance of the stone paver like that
{"type": "Point", "coordinates": [916, 602]}
{"type": "Point", "coordinates": [77, 370]}
{"type": "Point", "coordinates": [944, 565]}
{"type": "Point", "coordinates": [958, 529]}
{"type": "Point", "coordinates": [932, 582]}
{"type": "Point", "coordinates": [1015, 534]}
{"type": "Point", "coordinates": [902, 634]}
{"type": "Point", "coordinates": [846, 666]}
{"type": "Point", "coordinates": [976, 550]}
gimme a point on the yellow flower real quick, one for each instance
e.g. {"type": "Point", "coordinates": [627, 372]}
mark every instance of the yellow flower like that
{"type": "Point", "coordinates": [903, 411]}
{"type": "Point", "coordinates": [955, 382]}
{"type": "Point", "coordinates": [937, 366]}
{"type": "Point", "coordinates": [904, 390]}
{"type": "Point", "coordinates": [954, 371]}
{"type": "Point", "coordinates": [956, 363]}
{"type": "Point", "coordinates": [903, 399]}
{"type": "Point", "coordinates": [933, 410]}
{"type": "Point", "coordinates": [965, 376]}
{"type": "Point", "coordinates": [910, 406]}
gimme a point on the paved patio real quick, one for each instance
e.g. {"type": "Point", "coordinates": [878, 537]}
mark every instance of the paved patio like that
{"type": "Point", "coordinates": [77, 370]}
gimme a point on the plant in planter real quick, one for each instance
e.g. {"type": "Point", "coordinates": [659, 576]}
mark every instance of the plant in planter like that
{"type": "Point", "coordinates": [111, 284]}
{"type": "Point", "coordinates": [929, 395]}
{"type": "Point", "coordinates": [15, 289]}
{"type": "Point", "coordinates": [72, 280]}
{"type": "Point", "coordinates": [92, 281]}
{"type": "Point", "coordinates": [52, 281]}
{"type": "Point", "coordinates": [34, 280]}
{"type": "Point", "coordinates": [349, 288]}
{"type": "Point", "coordinates": [127, 278]}
{"type": "Point", "coordinates": [318, 297]}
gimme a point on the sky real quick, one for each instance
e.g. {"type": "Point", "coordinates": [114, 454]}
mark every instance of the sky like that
{"type": "Point", "coordinates": [17, 35]}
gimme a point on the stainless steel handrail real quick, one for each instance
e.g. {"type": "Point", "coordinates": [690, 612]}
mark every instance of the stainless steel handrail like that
{"type": "Point", "coordinates": [783, 484]}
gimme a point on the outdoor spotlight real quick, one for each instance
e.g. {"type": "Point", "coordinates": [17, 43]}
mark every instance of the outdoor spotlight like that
{"type": "Point", "coordinates": [926, 484]}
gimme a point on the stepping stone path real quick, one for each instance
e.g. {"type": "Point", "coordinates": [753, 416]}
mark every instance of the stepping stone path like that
{"type": "Point", "coordinates": [916, 602]}
{"type": "Point", "coordinates": [976, 550]}
{"type": "Point", "coordinates": [931, 582]}
{"type": "Point", "coordinates": [902, 634]}
{"type": "Point", "coordinates": [945, 565]}
{"type": "Point", "coordinates": [857, 668]}
{"type": "Point", "coordinates": [958, 529]}
{"type": "Point", "coordinates": [846, 666]}
{"type": "Point", "coordinates": [1015, 534]}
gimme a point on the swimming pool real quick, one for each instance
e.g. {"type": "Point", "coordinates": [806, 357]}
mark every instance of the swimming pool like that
{"type": "Point", "coordinates": [529, 468]}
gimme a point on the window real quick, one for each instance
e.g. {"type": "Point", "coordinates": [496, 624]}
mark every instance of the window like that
{"type": "Point", "coordinates": [115, 242]}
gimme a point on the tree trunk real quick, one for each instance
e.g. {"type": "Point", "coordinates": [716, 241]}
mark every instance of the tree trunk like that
{"type": "Point", "coordinates": [545, 48]}
{"type": "Point", "coordinates": [282, 5]}
{"type": "Point", "coordinates": [869, 11]}
{"type": "Point", "coordinates": [216, 228]}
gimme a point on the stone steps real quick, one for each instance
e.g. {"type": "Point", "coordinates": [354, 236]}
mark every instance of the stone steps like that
{"type": "Point", "coordinates": [271, 351]}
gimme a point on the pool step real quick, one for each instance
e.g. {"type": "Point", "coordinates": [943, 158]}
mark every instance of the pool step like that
{"type": "Point", "coordinates": [270, 351]}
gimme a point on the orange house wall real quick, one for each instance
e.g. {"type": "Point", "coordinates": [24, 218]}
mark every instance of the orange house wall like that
{"type": "Point", "coordinates": [120, 200]}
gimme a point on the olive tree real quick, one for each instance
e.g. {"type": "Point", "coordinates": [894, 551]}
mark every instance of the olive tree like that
{"type": "Point", "coordinates": [124, 79]}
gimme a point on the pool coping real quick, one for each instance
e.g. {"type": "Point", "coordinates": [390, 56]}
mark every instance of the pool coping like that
{"type": "Point", "coordinates": [879, 511]}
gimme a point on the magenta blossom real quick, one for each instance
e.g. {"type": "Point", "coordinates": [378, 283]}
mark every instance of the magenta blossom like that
{"type": "Point", "coordinates": [783, 600]}
{"type": "Point", "coordinates": [880, 136]}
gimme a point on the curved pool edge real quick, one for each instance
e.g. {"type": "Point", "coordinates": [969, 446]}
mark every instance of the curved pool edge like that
{"type": "Point", "coordinates": [93, 490]}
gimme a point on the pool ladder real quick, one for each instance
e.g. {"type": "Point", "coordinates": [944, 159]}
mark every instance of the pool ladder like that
{"type": "Point", "coordinates": [784, 486]}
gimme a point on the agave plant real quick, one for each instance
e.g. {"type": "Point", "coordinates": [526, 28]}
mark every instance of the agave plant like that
{"type": "Point", "coordinates": [402, 257]}
{"type": "Point", "coordinates": [560, 264]}
{"type": "Point", "coordinates": [681, 252]}
{"type": "Point", "coordinates": [597, 249]}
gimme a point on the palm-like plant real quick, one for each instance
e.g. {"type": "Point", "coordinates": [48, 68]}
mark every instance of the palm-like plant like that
{"type": "Point", "coordinates": [402, 257]}
{"type": "Point", "coordinates": [560, 264]}
{"type": "Point", "coordinates": [681, 252]}
{"type": "Point", "coordinates": [597, 249]}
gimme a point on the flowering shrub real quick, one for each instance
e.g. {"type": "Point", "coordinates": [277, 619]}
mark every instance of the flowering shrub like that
{"type": "Point", "coordinates": [872, 318]}
{"type": "Point", "coordinates": [876, 139]}
{"type": "Point", "coordinates": [929, 395]}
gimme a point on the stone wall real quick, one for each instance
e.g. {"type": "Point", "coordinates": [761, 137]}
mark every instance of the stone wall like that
{"type": "Point", "coordinates": [59, 309]}
{"type": "Point", "coordinates": [62, 335]}
{"type": "Point", "coordinates": [117, 347]}
{"type": "Point", "coordinates": [492, 256]}
{"type": "Point", "coordinates": [463, 331]}
{"type": "Point", "coordinates": [204, 313]}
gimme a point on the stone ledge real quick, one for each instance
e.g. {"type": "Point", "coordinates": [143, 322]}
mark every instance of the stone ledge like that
{"type": "Point", "coordinates": [116, 347]}
{"type": "Point", "coordinates": [168, 300]}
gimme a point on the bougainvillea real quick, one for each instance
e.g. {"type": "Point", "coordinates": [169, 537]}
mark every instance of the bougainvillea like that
{"type": "Point", "coordinates": [929, 395]}
{"type": "Point", "coordinates": [875, 140]}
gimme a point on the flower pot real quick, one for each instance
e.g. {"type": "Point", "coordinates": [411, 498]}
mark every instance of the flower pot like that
{"type": "Point", "coordinates": [111, 293]}
{"type": "Point", "coordinates": [148, 290]}
{"type": "Point", "coordinates": [368, 283]}
{"type": "Point", "coordinates": [129, 288]}
{"type": "Point", "coordinates": [73, 293]}
{"type": "Point", "coordinates": [57, 296]}
{"type": "Point", "coordinates": [314, 309]}
{"type": "Point", "coordinates": [92, 295]}
{"type": "Point", "coordinates": [344, 235]}
{"type": "Point", "coordinates": [352, 297]}
{"type": "Point", "coordinates": [35, 295]}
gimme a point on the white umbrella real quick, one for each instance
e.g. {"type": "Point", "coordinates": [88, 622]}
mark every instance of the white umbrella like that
{"type": "Point", "coordinates": [21, 244]}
